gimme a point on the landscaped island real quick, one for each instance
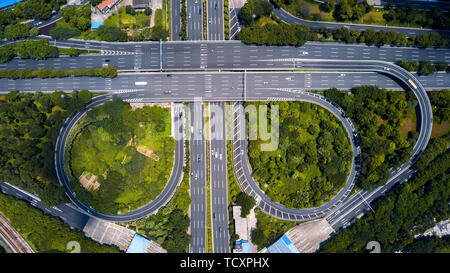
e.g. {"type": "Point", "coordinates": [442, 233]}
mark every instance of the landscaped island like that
{"type": "Point", "coordinates": [313, 157]}
{"type": "Point", "coordinates": [121, 156]}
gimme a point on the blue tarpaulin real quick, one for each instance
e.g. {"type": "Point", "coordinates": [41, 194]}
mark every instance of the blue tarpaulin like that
{"type": "Point", "coordinates": [139, 244]}
{"type": "Point", "coordinates": [95, 25]}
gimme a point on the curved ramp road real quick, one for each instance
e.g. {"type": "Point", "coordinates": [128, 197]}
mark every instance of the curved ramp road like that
{"type": "Point", "coordinates": [249, 185]}
{"type": "Point", "coordinates": [291, 19]}
{"type": "Point", "coordinates": [154, 205]}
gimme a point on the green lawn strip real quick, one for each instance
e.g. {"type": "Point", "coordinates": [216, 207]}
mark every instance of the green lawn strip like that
{"type": "Point", "coordinates": [77, 51]}
{"type": "Point", "coordinates": [167, 8]}
{"type": "Point", "coordinates": [209, 236]}
{"type": "Point", "coordinates": [45, 233]}
{"type": "Point", "coordinates": [183, 30]}
{"type": "Point", "coordinates": [205, 20]}
{"type": "Point", "coordinates": [226, 19]}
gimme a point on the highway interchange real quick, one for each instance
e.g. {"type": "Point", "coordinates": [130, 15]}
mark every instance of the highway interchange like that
{"type": "Point", "coordinates": [192, 71]}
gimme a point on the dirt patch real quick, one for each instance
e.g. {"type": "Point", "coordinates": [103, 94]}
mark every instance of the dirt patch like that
{"type": "Point", "coordinates": [134, 106]}
{"type": "Point", "coordinates": [440, 129]}
{"type": "Point", "coordinates": [144, 151]}
{"type": "Point", "coordinates": [89, 181]}
{"type": "Point", "coordinates": [308, 236]}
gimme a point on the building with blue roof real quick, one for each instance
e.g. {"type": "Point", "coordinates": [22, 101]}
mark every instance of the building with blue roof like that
{"type": "Point", "coordinates": [139, 244]}
{"type": "Point", "coordinates": [242, 246]}
{"type": "Point", "coordinates": [283, 245]}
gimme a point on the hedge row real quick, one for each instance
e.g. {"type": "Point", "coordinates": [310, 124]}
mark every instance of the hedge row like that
{"type": "Point", "coordinates": [43, 73]}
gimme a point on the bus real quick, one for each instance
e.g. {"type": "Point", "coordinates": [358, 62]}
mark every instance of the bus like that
{"type": "Point", "coordinates": [412, 83]}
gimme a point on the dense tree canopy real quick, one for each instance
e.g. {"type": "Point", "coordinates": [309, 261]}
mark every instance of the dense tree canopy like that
{"type": "Point", "coordinates": [254, 9]}
{"type": "Point", "coordinates": [37, 9]}
{"type": "Point", "coordinates": [29, 125]}
{"type": "Point", "coordinates": [45, 233]}
{"type": "Point", "coordinates": [379, 115]}
{"type": "Point", "coordinates": [409, 209]}
{"type": "Point", "coordinates": [312, 160]}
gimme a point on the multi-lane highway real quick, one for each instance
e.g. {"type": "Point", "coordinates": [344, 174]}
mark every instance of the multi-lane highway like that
{"type": "Point", "coordinates": [176, 19]}
{"type": "Point", "coordinates": [198, 178]}
{"type": "Point", "coordinates": [214, 85]}
{"type": "Point", "coordinates": [194, 19]}
{"type": "Point", "coordinates": [225, 55]}
{"type": "Point", "coordinates": [218, 170]}
{"type": "Point", "coordinates": [154, 205]}
{"type": "Point", "coordinates": [215, 24]}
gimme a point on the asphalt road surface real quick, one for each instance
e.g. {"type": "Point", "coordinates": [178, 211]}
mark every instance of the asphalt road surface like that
{"type": "Point", "coordinates": [291, 19]}
{"type": "Point", "coordinates": [215, 20]}
{"type": "Point", "coordinates": [198, 179]}
{"type": "Point", "coordinates": [194, 19]}
{"type": "Point", "coordinates": [213, 85]}
{"type": "Point", "coordinates": [219, 187]}
{"type": "Point", "coordinates": [224, 55]}
{"type": "Point", "coordinates": [176, 19]}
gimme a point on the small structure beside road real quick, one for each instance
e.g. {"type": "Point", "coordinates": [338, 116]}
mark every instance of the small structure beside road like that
{"type": "Point", "coordinates": [243, 228]}
{"type": "Point", "coordinates": [125, 239]}
{"type": "Point", "coordinates": [107, 5]}
{"type": "Point", "coordinates": [141, 4]}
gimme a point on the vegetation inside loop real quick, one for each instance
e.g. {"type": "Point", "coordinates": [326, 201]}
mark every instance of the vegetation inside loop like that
{"type": "Point", "coordinates": [312, 160]}
{"type": "Point", "coordinates": [130, 153]}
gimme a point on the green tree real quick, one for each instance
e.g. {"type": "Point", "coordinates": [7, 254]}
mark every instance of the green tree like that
{"type": "Point", "coordinates": [17, 31]}
{"type": "Point", "coordinates": [158, 32]}
{"type": "Point", "coordinates": [426, 68]}
{"type": "Point", "coordinates": [246, 202]}
{"type": "Point", "coordinates": [6, 53]}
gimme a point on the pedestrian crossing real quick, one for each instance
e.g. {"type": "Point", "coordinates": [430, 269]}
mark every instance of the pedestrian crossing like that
{"type": "Point", "coordinates": [127, 91]}
{"type": "Point", "coordinates": [116, 52]}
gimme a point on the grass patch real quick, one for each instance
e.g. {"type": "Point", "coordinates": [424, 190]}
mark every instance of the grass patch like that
{"type": "Point", "coordinates": [409, 122]}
